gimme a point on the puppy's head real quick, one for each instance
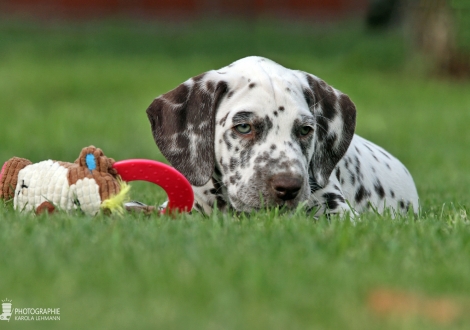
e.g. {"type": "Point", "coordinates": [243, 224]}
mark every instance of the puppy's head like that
{"type": "Point", "coordinates": [265, 134]}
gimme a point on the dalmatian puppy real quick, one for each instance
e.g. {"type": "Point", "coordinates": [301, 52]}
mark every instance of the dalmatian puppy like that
{"type": "Point", "coordinates": [255, 134]}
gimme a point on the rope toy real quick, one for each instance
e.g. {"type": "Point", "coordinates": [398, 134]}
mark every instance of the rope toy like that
{"type": "Point", "coordinates": [92, 183]}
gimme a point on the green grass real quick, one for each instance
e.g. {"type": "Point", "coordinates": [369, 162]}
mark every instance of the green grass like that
{"type": "Point", "coordinates": [65, 86]}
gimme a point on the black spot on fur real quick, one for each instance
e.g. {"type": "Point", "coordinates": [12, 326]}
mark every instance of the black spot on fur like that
{"type": "Point", "coordinates": [388, 166]}
{"type": "Point", "coordinates": [379, 189]}
{"type": "Point", "coordinates": [226, 140]}
{"type": "Point", "coordinates": [223, 120]}
{"type": "Point", "coordinates": [332, 200]}
{"type": "Point", "coordinates": [331, 204]}
{"type": "Point", "coordinates": [269, 123]}
{"type": "Point", "coordinates": [234, 162]}
{"type": "Point", "coordinates": [251, 85]}
{"type": "Point", "coordinates": [376, 158]}
{"type": "Point", "coordinates": [360, 194]}
{"type": "Point", "coordinates": [234, 178]}
{"type": "Point", "coordinates": [230, 94]}
{"type": "Point", "coordinates": [281, 108]}
{"type": "Point", "coordinates": [383, 153]}
{"type": "Point", "coordinates": [406, 171]}
{"type": "Point", "coordinates": [275, 113]}
{"type": "Point", "coordinates": [233, 135]}
{"type": "Point", "coordinates": [357, 150]}
{"type": "Point", "coordinates": [273, 147]}
{"type": "Point", "coordinates": [287, 89]}
{"type": "Point", "coordinates": [199, 208]}
{"type": "Point", "coordinates": [338, 173]}
{"type": "Point", "coordinates": [210, 86]}
{"type": "Point", "coordinates": [358, 167]}
{"type": "Point", "coordinates": [402, 204]}
{"type": "Point", "coordinates": [392, 193]}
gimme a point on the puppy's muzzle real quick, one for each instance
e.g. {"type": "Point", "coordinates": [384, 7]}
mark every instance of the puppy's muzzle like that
{"type": "Point", "coordinates": [285, 186]}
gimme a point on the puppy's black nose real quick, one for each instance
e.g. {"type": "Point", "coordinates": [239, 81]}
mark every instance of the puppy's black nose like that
{"type": "Point", "coordinates": [286, 186]}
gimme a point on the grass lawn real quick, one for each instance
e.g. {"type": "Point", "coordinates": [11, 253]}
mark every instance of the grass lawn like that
{"type": "Point", "coordinates": [66, 86]}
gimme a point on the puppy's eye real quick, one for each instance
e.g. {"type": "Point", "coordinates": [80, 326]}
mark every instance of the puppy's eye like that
{"type": "Point", "coordinates": [305, 130]}
{"type": "Point", "coordinates": [243, 128]}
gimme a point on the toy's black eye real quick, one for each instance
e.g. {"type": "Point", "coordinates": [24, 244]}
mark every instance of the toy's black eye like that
{"type": "Point", "coordinates": [243, 128]}
{"type": "Point", "coordinates": [305, 130]}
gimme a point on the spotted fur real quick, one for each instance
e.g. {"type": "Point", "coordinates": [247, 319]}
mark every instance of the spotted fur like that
{"type": "Point", "coordinates": [256, 134]}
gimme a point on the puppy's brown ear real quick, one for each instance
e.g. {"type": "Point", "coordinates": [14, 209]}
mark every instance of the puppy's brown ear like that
{"type": "Point", "coordinates": [335, 116]}
{"type": "Point", "coordinates": [183, 125]}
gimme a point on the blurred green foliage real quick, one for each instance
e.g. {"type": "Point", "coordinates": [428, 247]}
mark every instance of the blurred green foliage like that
{"type": "Point", "coordinates": [462, 14]}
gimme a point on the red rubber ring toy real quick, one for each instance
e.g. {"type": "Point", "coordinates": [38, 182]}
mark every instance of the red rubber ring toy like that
{"type": "Point", "coordinates": [178, 189]}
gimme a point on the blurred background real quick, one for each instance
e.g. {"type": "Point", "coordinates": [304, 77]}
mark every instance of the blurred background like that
{"type": "Point", "coordinates": [81, 72]}
{"type": "Point", "coordinates": [186, 8]}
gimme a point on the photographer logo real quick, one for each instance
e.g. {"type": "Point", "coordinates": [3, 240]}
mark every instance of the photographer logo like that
{"type": "Point", "coordinates": [28, 314]}
{"type": "Point", "coordinates": [6, 310]}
